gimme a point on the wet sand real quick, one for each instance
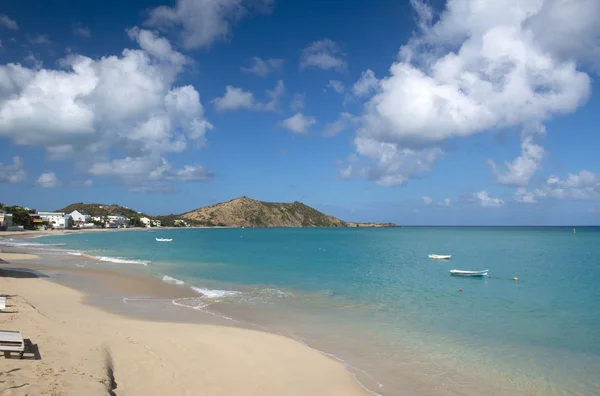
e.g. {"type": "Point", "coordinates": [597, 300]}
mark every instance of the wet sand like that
{"type": "Point", "coordinates": [88, 338]}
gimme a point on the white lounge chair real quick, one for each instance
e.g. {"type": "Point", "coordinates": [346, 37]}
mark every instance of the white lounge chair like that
{"type": "Point", "coordinates": [2, 303]}
{"type": "Point", "coordinates": [11, 341]}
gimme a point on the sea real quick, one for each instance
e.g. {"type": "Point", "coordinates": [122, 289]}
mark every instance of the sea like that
{"type": "Point", "coordinates": [398, 320]}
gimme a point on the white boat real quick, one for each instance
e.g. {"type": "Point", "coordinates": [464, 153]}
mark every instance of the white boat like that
{"type": "Point", "coordinates": [469, 273]}
{"type": "Point", "coordinates": [163, 240]}
{"type": "Point", "coordinates": [440, 256]}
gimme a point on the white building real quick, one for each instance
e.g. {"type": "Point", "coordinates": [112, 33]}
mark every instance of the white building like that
{"type": "Point", "coordinates": [55, 219]}
{"type": "Point", "coordinates": [146, 222]}
{"type": "Point", "coordinates": [116, 221]}
{"type": "Point", "coordinates": [79, 216]}
{"type": "Point", "coordinates": [5, 219]}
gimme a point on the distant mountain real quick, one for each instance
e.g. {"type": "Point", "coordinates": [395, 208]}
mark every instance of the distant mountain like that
{"type": "Point", "coordinates": [94, 209]}
{"type": "Point", "coordinates": [239, 212]}
{"type": "Point", "coordinates": [246, 212]}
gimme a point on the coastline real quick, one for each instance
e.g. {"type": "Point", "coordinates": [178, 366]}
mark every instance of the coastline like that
{"type": "Point", "coordinates": [185, 353]}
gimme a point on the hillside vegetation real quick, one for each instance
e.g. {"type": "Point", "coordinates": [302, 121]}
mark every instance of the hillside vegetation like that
{"type": "Point", "coordinates": [239, 212]}
{"type": "Point", "coordinates": [94, 209]}
{"type": "Point", "coordinates": [246, 212]}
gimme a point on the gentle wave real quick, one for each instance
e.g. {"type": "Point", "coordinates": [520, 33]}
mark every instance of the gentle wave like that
{"type": "Point", "coordinates": [120, 260]}
{"type": "Point", "coordinates": [15, 243]}
{"type": "Point", "coordinates": [171, 280]}
{"type": "Point", "coordinates": [208, 293]}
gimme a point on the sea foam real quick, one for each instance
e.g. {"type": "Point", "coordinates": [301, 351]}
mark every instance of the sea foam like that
{"type": "Point", "coordinates": [120, 260]}
{"type": "Point", "coordinates": [208, 293]}
{"type": "Point", "coordinates": [171, 280]}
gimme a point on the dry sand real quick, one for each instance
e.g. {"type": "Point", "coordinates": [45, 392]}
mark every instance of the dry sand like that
{"type": "Point", "coordinates": [77, 342]}
{"type": "Point", "coordinates": [17, 256]}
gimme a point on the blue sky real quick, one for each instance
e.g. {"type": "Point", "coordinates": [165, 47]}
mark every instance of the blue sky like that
{"type": "Point", "coordinates": [437, 112]}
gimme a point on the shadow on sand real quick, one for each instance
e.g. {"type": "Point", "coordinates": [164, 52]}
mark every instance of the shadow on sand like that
{"type": "Point", "coordinates": [20, 273]}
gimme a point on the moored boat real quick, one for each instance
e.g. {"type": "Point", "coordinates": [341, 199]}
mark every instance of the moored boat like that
{"type": "Point", "coordinates": [440, 256]}
{"type": "Point", "coordinates": [469, 273]}
{"type": "Point", "coordinates": [163, 240]}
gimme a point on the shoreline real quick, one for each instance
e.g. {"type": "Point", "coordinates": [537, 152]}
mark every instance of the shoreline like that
{"type": "Point", "coordinates": [265, 363]}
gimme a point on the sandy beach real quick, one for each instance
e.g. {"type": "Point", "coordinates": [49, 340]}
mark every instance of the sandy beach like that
{"type": "Point", "coordinates": [85, 350]}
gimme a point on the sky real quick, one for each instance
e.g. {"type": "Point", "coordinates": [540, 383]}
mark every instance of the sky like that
{"type": "Point", "coordinates": [456, 112]}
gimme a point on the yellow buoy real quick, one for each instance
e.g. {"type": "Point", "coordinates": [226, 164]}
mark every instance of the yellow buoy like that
{"type": "Point", "coordinates": [515, 279]}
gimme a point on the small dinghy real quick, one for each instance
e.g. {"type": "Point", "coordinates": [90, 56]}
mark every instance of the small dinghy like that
{"type": "Point", "coordinates": [163, 240]}
{"type": "Point", "coordinates": [469, 273]}
{"type": "Point", "coordinates": [440, 256]}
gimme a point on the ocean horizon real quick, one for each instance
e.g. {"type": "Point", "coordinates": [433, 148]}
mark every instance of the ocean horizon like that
{"type": "Point", "coordinates": [372, 298]}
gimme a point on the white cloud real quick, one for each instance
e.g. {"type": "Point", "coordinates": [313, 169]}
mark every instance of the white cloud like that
{"type": "Point", "coordinates": [336, 85]}
{"type": "Point", "coordinates": [203, 22]}
{"type": "Point", "coordinates": [91, 106]}
{"type": "Point", "coordinates": [262, 68]}
{"type": "Point", "coordinates": [7, 22]}
{"type": "Point", "coordinates": [48, 180]}
{"type": "Point", "coordinates": [367, 84]}
{"type": "Point", "coordinates": [88, 183]}
{"type": "Point", "coordinates": [82, 31]}
{"type": "Point", "coordinates": [426, 199]}
{"type": "Point", "coordinates": [323, 54]}
{"type": "Point", "coordinates": [486, 201]}
{"type": "Point", "coordinates": [237, 98]}
{"type": "Point", "coordinates": [584, 185]}
{"type": "Point", "coordinates": [298, 102]}
{"type": "Point", "coordinates": [478, 68]}
{"type": "Point", "coordinates": [447, 202]}
{"type": "Point", "coordinates": [520, 171]}
{"type": "Point", "coordinates": [158, 169]}
{"type": "Point", "coordinates": [275, 96]}
{"type": "Point", "coordinates": [14, 173]}
{"type": "Point", "coordinates": [394, 165]}
{"type": "Point", "coordinates": [40, 39]}
{"type": "Point", "coordinates": [343, 122]}
{"type": "Point", "coordinates": [524, 196]}
{"type": "Point", "coordinates": [234, 98]}
{"type": "Point", "coordinates": [299, 123]}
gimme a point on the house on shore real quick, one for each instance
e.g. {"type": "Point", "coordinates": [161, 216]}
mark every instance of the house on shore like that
{"type": "Point", "coordinates": [5, 220]}
{"type": "Point", "coordinates": [56, 220]}
{"type": "Point", "coordinates": [116, 221]}
{"type": "Point", "coordinates": [80, 217]}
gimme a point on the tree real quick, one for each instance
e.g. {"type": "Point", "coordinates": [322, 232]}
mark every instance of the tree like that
{"type": "Point", "coordinates": [20, 216]}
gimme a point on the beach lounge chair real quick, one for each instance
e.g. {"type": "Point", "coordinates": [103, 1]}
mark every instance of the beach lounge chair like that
{"type": "Point", "coordinates": [11, 341]}
{"type": "Point", "coordinates": [2, 303]}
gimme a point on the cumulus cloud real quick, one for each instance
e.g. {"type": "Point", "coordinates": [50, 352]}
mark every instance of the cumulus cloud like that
{"type": "Point", "coordinates": [89, 107]}
{"type": "Point", "coordinates": [299, 123]}
{"type": "Point", "coordinates": [234, 98]}
{"type": "Point", "coordinates": [200, 23]}
{"type": "Point", "coordinates": [485, 200]}
{"type": "Point", "coordinates": [520, 171]}
{"type": "Point", "coordinates": [478, 69]}
{"type": "Point", "coordinates": [524, 196]}
{"type": "Point", "coordinates": [157, 169]}
{"type": "Point", "coordinates": [426, 199]}
{"type": "Point", "coordinates": [323, 54]}
{"type": "Point", "coordinates": [14, 173]}
{"type": "Point", "coordinates": [8, 23]}
{"type": "Point", "coordinates": [367, 84]}
{"type": "Point", "coordinates": [263, 68]}
{"type": "Point", "coordinates": [82, 31]}
{"type": "Point", "coordinates": [446, 202]}
{"type": "Point", "coordinates": [237, 98]}
{"type": "Point", "coordinates": [336, 85]}
{"type": "Point", "coordinates": [343, 122]}
{"type": "Point", "coordinates": [40, 39]}
{"type": "Point", "coordinates": [298, 101]}
{"type": "Point", "coordinates": [48, 180]}
{"type": "Point", "coordinates": [584, 185]}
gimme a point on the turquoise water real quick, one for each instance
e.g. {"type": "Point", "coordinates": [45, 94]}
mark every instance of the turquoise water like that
{"type": "Point", "coordinates": [374, 298]}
